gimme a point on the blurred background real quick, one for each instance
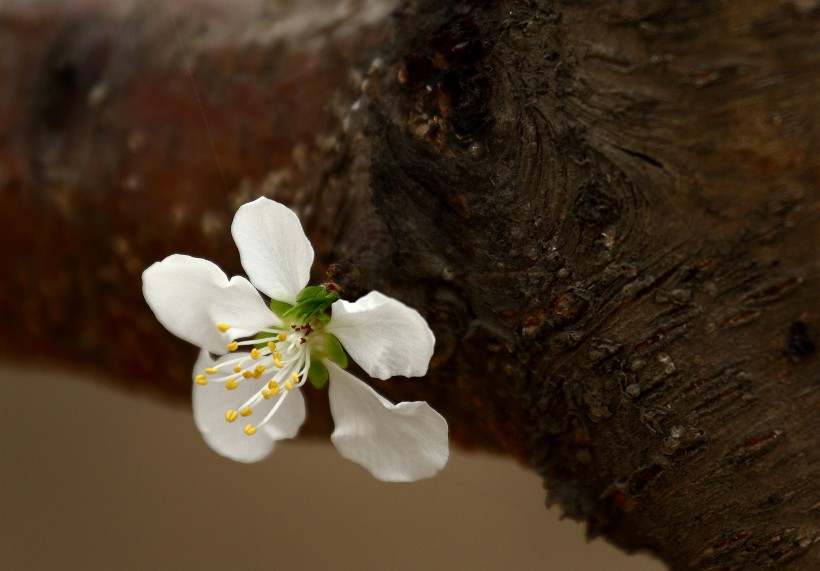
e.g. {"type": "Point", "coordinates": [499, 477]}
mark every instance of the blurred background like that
{"type": "Point", "coordinates": [91, 478]}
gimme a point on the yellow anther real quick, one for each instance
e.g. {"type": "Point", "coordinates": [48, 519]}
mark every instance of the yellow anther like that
{"type": "Point", "coordinates": [212, 371]}
{"type": "Point", "coordinates": [278, 363]}
{"type": "Point", "coordinates": [260, 368]}
{"type": "Point", "coordinates": [255, 353]}
{"type": "Point", "coordinates": [277, 355]}
{"type": "Point", "coordinates": [273, 386]}
{"type": "Point", "coordinates": [237, 369]}
{"type": "Point", "coordinates": [295, 378]}
{"type": "Point", "coordinates": [250, 429]}
{"type": "Point", "coordinates": [246, 411]}
{"type": "Point", "coordinates": [200, 380]}
{"type": "Point", "coordinates": [266, 394]}
{"type": "Point", "coordinates": [231, 384]}
{"type": "Point", "coordinates": [283, 336]}
{"type": "Point", "coordinates": [256, 374]}
{"type": "Point", "coordinates": [271, 346]}
{"type": "Point", "coordinates": [233, 346]}
{"type": "Point", "coordinates": [223, 327]}
{"type": "Point", "coordinates": [230, 415]}
{"type": "Point", "coordinates": [288, 385]}
{"type": "Point", "coordinates": [247, 374]}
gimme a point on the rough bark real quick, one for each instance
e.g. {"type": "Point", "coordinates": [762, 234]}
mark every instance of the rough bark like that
{"type": "Point", "coordinates": [607, 210]}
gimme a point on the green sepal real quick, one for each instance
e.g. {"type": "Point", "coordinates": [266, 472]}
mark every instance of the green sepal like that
{"type": "Point", "coordinates": [317, 374]}
{"type": "Point", "coordinates": [311, 303]}
{"type": "Point", "coordinates": [280, 308]}
{"type": "Point", "coordinates": [311, 291]}
{"type": "Point", "coordinates": [335, 351]}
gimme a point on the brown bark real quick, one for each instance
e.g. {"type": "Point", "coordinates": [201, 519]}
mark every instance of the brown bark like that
{"type": "Point", "coordinates": [607, 210]}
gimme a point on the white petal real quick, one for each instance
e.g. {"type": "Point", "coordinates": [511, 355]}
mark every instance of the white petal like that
{"type": "Point", "coordinates": [384, 336]}
{"type": "Point", "coordinates": [288, 417]}
{"type": "Point", "coordinates": [190, 296]}
{"type": "Point", "coordinates": [273, 248]}
{"type": "Point", "coordinates": [396, 443]}
{"type": "Point", "coordinates": [227, 438]}
{"type": "Point", "coordinates": [211, 401]}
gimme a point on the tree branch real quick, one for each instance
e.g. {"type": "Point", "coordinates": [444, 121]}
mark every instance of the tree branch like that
{"type": "Point", "coordinates": [608, 212]}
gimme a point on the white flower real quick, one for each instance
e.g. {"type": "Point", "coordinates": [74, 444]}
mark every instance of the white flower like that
{"type": "Point", "coordinates": [255, 358]}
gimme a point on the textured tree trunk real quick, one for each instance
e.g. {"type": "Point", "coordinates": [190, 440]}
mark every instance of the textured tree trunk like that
{"type": "Point", "coordinates": [608, 211]}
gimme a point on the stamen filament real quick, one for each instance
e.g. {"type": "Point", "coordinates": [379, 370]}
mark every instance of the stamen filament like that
{"type": "Point", "coordinates": [274, 409]}
{"type": "Point", "coordinates": [251, 402]}
{"type": "Point", "coordinates": [289, 367]}
{"type": "Point", "coordinates": [250, 342]}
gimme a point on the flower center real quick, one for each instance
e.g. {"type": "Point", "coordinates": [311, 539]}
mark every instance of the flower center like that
{"type": "Point", "coordinates": [278, 361]}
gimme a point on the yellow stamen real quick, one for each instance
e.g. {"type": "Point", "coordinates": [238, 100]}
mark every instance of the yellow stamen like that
{"type": "Point", "coordinates": [288, 385]}
{"type": "Point", "coordinates": [246, 411]}
{"type": "Point", "coordinates": [250, 429]}
{"type": "Point", "coordinates": [256, 374]}
{"type": "Point", "coordinates": [212, 371]}
{"type": "Point", "coordinates": [260, 368]}
{"type": "Point", "coordinates": [254, 353]}
{"type": "Point", "coordinates": [231, 384]}
{"type": "Point", "coordinates": [233, 346]}
{"type": "Point", "coordinates": [277, 355]}
{"type": "Point", "coordinates": [247, 374]}
{"type": "Point", "coordinates": [223, 327]}
{"type": "Point", "coordinates": [237, 369]}
{"type": "Point", "coordinates": [295, 378]}
{"type": "Point", "coordinates": [283, 336]}
{"type": "Point", "coordinates": [272, 346]}
{"type": "Point", "coordinates": [266, 394]}
{"type": "Point", "coordinates": [200, 380]}
{"type": "Point", "coordinates": [230, 415]}
{"type": "Point", "coordinates": [278, 363]}
{"type": "Point", "coordinates": [274, 387]}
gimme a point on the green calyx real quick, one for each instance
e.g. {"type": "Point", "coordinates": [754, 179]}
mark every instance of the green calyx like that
{"type": "Point", "coordinates": [335, 351]}
{"type": "Point", "coordinates": [311, 308]}
{"type": "Point", "coordinates": [317, 374]}
{"type": "Point", "coordinates": [311, 303]}
{"type": "Point", "coordinates": [280, 307]}
{"type": "Point", "coordinates": [332, 351]}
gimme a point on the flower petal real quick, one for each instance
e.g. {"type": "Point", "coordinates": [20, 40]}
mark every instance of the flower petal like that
{"type": "Point", "coordinates": [227, 438]}
{"type": "Point", "coordinates": [287, 420]}
{"type": "Point", "coordinates": [211, 401]}
{"type": "Point", "coordinates": [384, 336]}
{"type": "Point", "coordinates": [273, 248]}
{"type": "Point", "coordinates": [396, 443]}
{"type": "Point", "coordinates": [190, 296]}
